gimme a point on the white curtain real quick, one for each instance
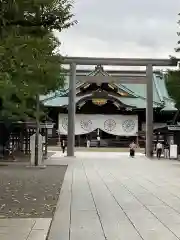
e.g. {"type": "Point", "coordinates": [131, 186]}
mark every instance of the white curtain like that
{"type": "Point", "coordinates": [121, 125]}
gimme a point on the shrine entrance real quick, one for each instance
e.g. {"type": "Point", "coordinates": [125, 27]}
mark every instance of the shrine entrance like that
{"type": "Point", "coordinates": [146, 79]}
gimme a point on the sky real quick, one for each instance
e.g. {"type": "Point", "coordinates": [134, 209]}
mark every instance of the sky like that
{"type": "Point", "coordinates": [122, 28]}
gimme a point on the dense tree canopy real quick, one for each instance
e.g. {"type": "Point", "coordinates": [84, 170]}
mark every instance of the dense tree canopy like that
{"type": "Point", "coordinates": [50, 14]}
{"type": "Point", "coordinates": [173, 78]}
{"type": "Point", "coordinates": [178, 33]}
{"type": "Point", "coordinates": [28, 67]}
{"type": "Point", "coordinates": [173, 86]}
{"type": "Point", "coordinates": [29, 62]}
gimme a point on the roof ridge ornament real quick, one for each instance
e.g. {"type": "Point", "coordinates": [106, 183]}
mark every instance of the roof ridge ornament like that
{"type": "Point", "coordinates": [99, 70]}
{"type": "Point", "coordinates": [99, 67]}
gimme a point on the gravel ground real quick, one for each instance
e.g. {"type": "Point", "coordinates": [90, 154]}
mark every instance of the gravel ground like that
{"type": "Point", "coordinates": [19, 157]}
{"type": "Point", "coordinates": [29, 192]}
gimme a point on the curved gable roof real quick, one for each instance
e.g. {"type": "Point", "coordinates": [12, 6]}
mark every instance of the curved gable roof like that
{"type": "Point", "coordinates": [136, 93]}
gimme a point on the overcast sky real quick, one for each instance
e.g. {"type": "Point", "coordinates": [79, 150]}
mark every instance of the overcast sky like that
{"type": "Point", "coordinates": [122, 28]}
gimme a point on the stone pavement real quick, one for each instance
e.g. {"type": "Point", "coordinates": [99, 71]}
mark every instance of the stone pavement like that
{"type": "Point", "coordinates": [118, 199]}
{"type": "Point", "coordinates": [91, 155]}
{"type": "Point", "coordinates": [24, 229]}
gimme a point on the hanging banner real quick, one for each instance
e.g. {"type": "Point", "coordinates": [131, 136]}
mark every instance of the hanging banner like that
{"type": "Point", "coordinates": [121, 125]}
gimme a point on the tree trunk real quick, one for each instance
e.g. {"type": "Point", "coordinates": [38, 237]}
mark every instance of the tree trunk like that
{"type": "Point", "coordinates": [175, 118]}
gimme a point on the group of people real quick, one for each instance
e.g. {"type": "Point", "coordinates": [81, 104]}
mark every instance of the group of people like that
{"type": "Point", "coordinates": [132, 147]}
{"type": "Point", "coordinates": [159, 149]}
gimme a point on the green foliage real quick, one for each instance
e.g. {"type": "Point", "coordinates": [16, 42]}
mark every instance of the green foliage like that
{"type": "Point", "coordinates": [28, 67]}
{"type": "Point", "coordinates": [173, 78]}
{"type": "Point", "coordinates": [173, 85]}
{"type": "Point", "coordinates": [178, 33]}
{"type": "Point", "coordinates": [50, 14]}
{"type": "Point", "coordinates": [29, 62]}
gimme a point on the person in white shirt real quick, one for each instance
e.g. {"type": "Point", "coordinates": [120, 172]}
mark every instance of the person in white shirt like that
{"type": "Point", "coordinates": [99, 141]}
{"type": "Point", "coordinates": [159, 150]}
{"type": "Point", "coordinates": [88, 143]}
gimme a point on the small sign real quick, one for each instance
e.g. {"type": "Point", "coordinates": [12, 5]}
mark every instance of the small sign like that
{"type": "Point", "coordinates": [47, 125]}
{"type": "Point", "coordinates": [173, 151]}
{"type": "Point", "coordinates": [174, 127]}
{"type": "Point", "coordinates": [42, 125]}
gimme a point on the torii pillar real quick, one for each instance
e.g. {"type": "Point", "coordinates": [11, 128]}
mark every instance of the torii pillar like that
{"type": "Point", "coordinates": [149, 111]}
{"type": "Point", "coordinates": [71, 111]}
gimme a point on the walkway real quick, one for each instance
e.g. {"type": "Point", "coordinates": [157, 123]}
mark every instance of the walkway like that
{"type": "Point", "coordinates": [24, 229]}
{"type": "Point", "coordinates": [92, 155]}
{"type": "Point", "coordinates": [119, 199]}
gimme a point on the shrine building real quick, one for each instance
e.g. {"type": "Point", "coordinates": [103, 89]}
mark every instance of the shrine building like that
{"type": "Point", "coordinates": [115, 112]}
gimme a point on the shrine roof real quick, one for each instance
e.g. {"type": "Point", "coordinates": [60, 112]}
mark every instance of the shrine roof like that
{"type": "Point", "coordinates": [136, 93]}
{"type": "Point", "coordinates": [131, 102]}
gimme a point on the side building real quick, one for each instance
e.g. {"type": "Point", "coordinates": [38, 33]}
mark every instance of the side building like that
{"type": "Point", "coordinates": [114, 112]}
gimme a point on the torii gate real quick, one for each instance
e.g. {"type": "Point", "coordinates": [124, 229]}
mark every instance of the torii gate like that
{"type": "Point", "coordinates": [148, 63]}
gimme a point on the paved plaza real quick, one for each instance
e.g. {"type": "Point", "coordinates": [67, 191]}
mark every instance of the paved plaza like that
{"type": "Point", "coordinates": [24, 229]}
{"type": "Point", "coordinates": [118, 198]}
{"type": "Point", "coordinates": [92, 155]}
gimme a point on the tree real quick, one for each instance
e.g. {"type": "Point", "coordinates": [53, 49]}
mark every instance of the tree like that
{"type": "Point", "coordinates": [50, 14]}
{"type": "Point", "coordinates": [173, 85]}
{"type": "Point", "coordinates": [173, 81]}
{"type": "Point", "coordinates": [29, 62]}
{"type": "Point", "coordinates": [28, 67]}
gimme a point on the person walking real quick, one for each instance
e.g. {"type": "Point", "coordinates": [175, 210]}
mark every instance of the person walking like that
{"type": "Point", "coordinates": [88, 143]}
{"type": "Point", "coordinates": [159, 150]}
{"type": "Point", "coordinates": [63, 146]}
{"type": "Point", "coordinates": [166, 150]}
{"type": "Point", "coordinates": [132, 147]}
{"type": "Point", "coordinates": [99, 141]}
